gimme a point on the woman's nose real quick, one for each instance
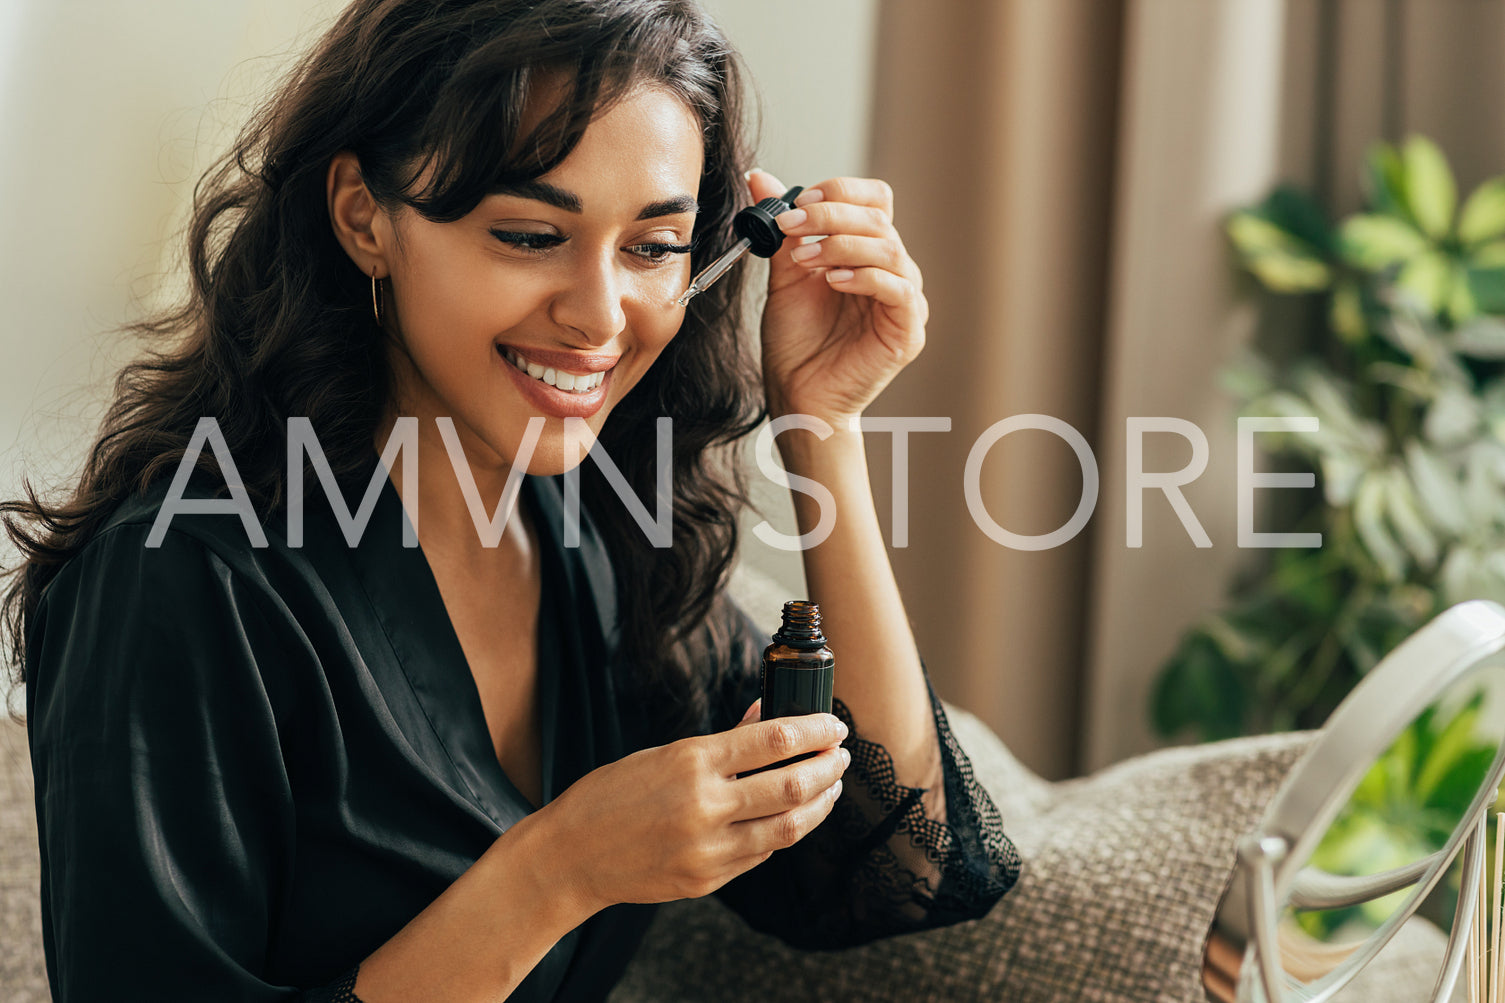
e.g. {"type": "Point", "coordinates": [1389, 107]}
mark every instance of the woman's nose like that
{"type": "Point", "coordinates": [591, 300]}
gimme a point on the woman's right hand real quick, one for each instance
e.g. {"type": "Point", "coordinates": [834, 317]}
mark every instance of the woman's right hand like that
{"type": "Point", "coordinates": [675, 821]}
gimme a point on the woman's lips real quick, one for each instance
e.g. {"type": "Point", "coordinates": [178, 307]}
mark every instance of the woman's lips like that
{"type": "Point", "coordinates": [571, 362]}
{"type": "Point", "coordinates": [552, 401]}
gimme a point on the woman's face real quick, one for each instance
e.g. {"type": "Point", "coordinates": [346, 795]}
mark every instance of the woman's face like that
{"type": "Point", "coordinates": [553, 300]}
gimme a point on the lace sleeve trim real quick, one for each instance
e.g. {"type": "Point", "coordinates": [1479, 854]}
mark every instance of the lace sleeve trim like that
{"type": "Point", "coordinates": [955, 861]}
{"type": "Point", "coordinates": [342, 990]}
{"type": "Point", "coordinates": [889, 859]}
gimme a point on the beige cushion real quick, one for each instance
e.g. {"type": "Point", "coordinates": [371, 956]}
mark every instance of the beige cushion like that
{"type": "Point", "coordinates": [22, 973]}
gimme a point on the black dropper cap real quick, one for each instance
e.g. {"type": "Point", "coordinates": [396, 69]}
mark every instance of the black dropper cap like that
{"type": "Point", "coordinates": [756, 225]}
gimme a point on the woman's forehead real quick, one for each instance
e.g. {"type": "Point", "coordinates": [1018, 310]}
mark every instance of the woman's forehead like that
{"type": "Point", "coordinates": [646, 147]}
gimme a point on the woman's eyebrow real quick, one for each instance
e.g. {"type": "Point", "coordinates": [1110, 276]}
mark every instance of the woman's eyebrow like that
{"type": "Point", "coordinates": [559, 198]}
{"type": "Point", "coordinates": [669, 207]}
{"type": "Point", "coordinates": [542, 191]}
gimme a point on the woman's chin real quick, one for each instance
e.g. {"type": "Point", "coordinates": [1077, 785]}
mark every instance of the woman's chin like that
{"type": "Point", "coordinates": [555, 451]}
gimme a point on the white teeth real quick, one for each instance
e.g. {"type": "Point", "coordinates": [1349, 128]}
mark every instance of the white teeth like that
{"type": "Point", "coordinates": [568, 382]}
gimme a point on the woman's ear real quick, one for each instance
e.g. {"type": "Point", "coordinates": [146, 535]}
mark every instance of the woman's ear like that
{"type": "Point", "coordinates": [359, 223]}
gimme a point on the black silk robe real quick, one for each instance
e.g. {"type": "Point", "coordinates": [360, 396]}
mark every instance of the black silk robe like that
{"type": "Point", "coordinates": [255, 765]}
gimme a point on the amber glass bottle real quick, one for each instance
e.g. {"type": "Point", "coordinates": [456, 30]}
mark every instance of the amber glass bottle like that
{"type": "Point", "coordinates": [798, 668]}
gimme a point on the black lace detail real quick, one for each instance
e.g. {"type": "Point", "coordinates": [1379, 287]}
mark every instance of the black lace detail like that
{"type": "Point", "coordinates": [889, 859]}
{"type": "Point", "coordinates": [342, 990]}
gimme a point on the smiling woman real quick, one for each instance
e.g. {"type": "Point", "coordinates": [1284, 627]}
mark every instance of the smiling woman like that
{"type": "Point", "coordinates": [338, 768]}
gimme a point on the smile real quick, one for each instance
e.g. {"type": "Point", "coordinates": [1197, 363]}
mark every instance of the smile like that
{"type": "Point", "coordinates": [560, 379]}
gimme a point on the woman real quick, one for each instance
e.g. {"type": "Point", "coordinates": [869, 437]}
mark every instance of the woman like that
{"type": "Point", "coordinates": [316, 763]}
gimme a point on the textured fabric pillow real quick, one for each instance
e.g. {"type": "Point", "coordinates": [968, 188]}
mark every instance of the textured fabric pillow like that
{"type": "Point", "coordinates": [1122, 874]}
{"type": "Point", "coordinates": [23, 974]}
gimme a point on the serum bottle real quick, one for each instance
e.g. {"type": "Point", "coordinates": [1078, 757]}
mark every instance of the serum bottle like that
{"type": "Point", "coordinates": [798, 668]}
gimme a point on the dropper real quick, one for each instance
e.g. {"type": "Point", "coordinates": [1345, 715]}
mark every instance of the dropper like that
{"type": "Point", "coordinates": [759, 233]}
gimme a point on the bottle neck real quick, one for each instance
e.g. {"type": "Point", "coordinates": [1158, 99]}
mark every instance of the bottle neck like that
{"type": "Point", "coordinates": [801, 626]}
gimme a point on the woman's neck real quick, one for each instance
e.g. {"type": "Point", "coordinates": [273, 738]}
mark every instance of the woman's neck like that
{"type": "Point", "coordinates": [448, 526]}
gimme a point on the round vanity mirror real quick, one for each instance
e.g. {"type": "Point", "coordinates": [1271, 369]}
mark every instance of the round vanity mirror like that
{"type": "Point", "coordinates": [1363, 837]}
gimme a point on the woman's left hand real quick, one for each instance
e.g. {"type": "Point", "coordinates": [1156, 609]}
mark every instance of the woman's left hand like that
{"type": "Point", "coordinates": [844, 314]}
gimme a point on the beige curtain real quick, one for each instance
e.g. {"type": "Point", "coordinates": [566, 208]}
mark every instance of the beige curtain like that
{"type": "Point", "coordinates": [1061, 170]}
{"type": "Point", "coordinates": [995, 124]}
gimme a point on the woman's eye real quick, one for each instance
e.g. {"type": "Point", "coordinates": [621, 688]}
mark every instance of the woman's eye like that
{"type": "Point", "coordinates": [657, 253]}
{"type": "Point", "coordinates": [528, 241]}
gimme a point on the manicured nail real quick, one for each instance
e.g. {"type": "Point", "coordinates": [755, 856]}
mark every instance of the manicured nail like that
{"type": "Point", "coordinates": [809, 195]}
{"type": "Point", "coordinates": [747, 174]}
{"type": "Point", "coordinates": [805, 252]}
{"type": "Point", "coordinates": [840, 275]}
{"type": "Point", "coordinates": [846, 759]}
{"type": "Point", "coordinates": [791, 218]}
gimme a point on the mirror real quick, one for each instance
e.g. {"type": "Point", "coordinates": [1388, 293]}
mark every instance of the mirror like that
{"type": "Point", "coordinates": [1363, 838]}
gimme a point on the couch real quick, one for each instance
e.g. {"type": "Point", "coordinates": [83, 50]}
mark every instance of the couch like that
{"type": "Point", "coordinates": [1122, 872]}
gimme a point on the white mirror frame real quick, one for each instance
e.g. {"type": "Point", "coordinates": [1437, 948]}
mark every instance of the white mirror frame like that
{"type": "Point", "coordinates": [1368, 721]}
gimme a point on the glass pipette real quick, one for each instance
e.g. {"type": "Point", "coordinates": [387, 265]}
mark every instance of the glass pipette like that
{"type": "Point", "coordinates": [759, 233]}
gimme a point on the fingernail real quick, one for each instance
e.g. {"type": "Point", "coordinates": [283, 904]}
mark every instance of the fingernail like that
{"type": "Point", "coordinates": [846, 759]}
{"type": "Point", "coordinates": [836, 790]}
{"type": "Point", "coordinates": [747, 174]}
{"type": "Point", "coordinates": [791, 218]}
{"type": "Point", "coordinates": [805, 252]}
{"type": "Point", "coordinates": [808, 196]}
{"type": "Point", "coordinates": [840, 275]}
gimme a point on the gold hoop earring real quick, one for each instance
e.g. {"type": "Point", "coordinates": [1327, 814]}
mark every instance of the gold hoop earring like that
{"type": "Point", "coordinates": [376, 296]}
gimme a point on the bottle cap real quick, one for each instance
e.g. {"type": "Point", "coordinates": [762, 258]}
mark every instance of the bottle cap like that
{"type": "Point", "coordinates": [756, 223]}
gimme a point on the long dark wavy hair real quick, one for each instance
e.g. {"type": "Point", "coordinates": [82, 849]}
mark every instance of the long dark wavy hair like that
{"type": "Point", "coordinates": [278, 322]}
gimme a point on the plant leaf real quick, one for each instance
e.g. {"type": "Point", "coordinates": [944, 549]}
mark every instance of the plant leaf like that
{"type": "Point", "coordinates": [1340, 478]}
{"type": "Point", "coordinates": [1409, 523]}
{"type": "Point", "coordinates": [1456, 788]}
{"type": "Point", "coordinates": [1373, 242]}
{"type": "Point", "coordinates": [1198, 689]}
{"type": "Point", "coordinates": [1296, 212]}
{"type": "Point", "coordinates": [1488, 286]}
{"type": "Point", "coordinates": [1455, 740]}
{"type": "Point", "coordinates": [1488, 256]}
{"type": "Point", "coordinates": [1420, 337]}
{"type": "Point", "coordinates": [1428, 279]}
{"type": "Point", "coordinates": [1481, 487]}
{"type": "Point", "coordinates": [1453, 417]}
{"type": "Point", "coordinates": [1461, 303]}
{"type": "Point", "coordinates": [1483, 214]}
{"type": "Point", "coordinates": [1436, 487]}
{"type": "Point", "coordinates": [1368, 518]}
{"type": "Point", "coordinates": [1385, 181]}
{"type": "Point", "coordinates": [1468, 574]}
{"type": "Point", "coordinates": [1331, 400]}
{"type": "Point", "coordinates": [1282, 262]}
{"type": "Point", "coordinates": [1345, 313]}
{"type": "Point", "coordinates": [1430, 190]}
{"type": "Point", "coordinates": [1480, 338]}
{"type": "Point", "coordinates": [1493, 404]}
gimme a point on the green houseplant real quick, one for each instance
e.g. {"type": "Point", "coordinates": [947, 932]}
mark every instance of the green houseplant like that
{"type": "Point", "coordinates": [1407, 380]}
